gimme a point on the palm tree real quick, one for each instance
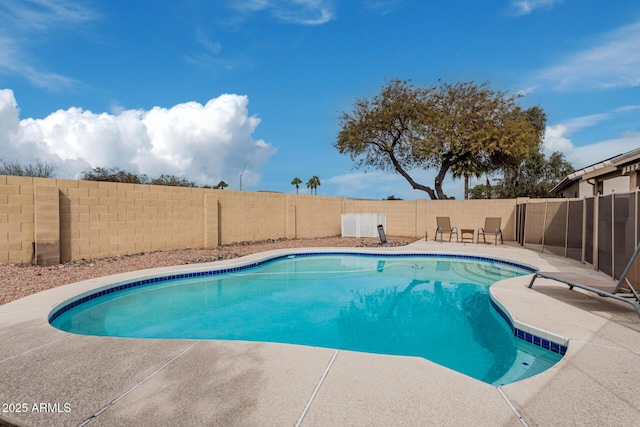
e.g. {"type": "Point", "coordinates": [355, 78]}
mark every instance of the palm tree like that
{"type": "Point", "coordinates": [221, 185]}
{"type": "Point", "coordinates": [296, 181]}
{"type": "Point", "coordinates": [313, 184]}
{"type": "Point", "coordinates": [466, 169]}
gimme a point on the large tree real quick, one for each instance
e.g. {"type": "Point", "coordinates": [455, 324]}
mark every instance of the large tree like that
{"type": "Point", "coordinates": [465, 124]}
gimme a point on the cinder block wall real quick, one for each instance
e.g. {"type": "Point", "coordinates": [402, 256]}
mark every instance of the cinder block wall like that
{"type": "Point", "coordinates": [52, 220]}
{"type": "Point", "coordinates": [17, 222]}
{"type": "Point", "coordinates": [247, 216]}
{"type": "Point", "coordinates": [101, 219]}
{"type": "Point", "coordinates": [316, 216]}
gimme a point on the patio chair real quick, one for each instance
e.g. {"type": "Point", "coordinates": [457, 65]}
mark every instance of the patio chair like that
{"type": "Point", "coordinates": [444, 226]}
{"type": "Point", "coordinates": [622, 290]}
{"type": "Point", "coordinates": [491, 226]}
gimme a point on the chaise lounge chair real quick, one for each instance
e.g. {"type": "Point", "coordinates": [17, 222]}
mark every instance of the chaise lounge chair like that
{"type": "Point", "coordinates": [444, 226]}
{"type": "Point", "coordinates": [491, 226]}
{"type": "Point", "coordinates": [623, 290]}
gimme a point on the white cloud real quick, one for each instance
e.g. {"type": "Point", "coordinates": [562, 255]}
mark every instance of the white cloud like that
{"type": "Point", "coordinates": [594, 153]}
{"type": "Point", "coordinates": [383, 7]}
{"type": "Point", "coordinates": [303, 12]}
{"type": "Point", "coordinates": [614, 62]}
{"type": "Point", "coordinates": [249, 6]}
{"type": "Point", "coordinates": [209, 55]}
{"type": "Point", "coordinates": [556, 136]}
{"type": "Point", "coordinates": [626, 108]}
{"type": "Point", "coordinates": [205, 143]}
{"type": "Point", "coordinates": [46, 80]}
{"type": "Point", "coordinates": [212, 47]}
{"type": "Point", "coordinates": [9, 122]}
{"type": "Point", "coordinates": [12, 61]}
{"type": "Point", "coordinates": [20, 20]}
{"type": "Point", "coordinates": [557, 139]}
{"type": "Point", "coordinates": [44, 15]}
{"type": "Point", "coordinates": [525, 7]}
{"type": "Point", "coordinates": [579, 123]}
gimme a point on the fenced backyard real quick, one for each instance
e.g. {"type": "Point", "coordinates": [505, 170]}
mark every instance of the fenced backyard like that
{"type": "Point", "coordinates": [48, 221]}
{"type": "Point", "coordinates": [602, 231]}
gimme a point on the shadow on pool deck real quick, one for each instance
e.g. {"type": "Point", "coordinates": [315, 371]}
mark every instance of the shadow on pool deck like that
{"type": "Point", "coordinates": [113, 381]}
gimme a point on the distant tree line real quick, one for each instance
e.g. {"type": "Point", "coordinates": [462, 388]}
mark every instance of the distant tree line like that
{"type": "Point", "coordinates": [45, 170]}
{"type": "Point", "coordinates": [117, 175]}
{"type": "Point", "coordinates": [38, 169]}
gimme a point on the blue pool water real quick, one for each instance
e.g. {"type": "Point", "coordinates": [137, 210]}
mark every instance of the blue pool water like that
{"type": "Point", "coordinates": [437, 308]}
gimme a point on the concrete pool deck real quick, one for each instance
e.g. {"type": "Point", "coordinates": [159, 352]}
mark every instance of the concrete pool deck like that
{"type": "Point", "coordinates": [57, 378]}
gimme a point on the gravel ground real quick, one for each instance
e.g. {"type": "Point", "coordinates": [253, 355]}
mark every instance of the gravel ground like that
{"type": "Point", "coordinates": [17, 281]}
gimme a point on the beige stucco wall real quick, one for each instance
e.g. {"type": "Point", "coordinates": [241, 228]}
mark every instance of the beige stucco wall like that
{"type": "Point", "coordinates": [88, 219]}
{"type": "Point", "coordinates": [618, 184]}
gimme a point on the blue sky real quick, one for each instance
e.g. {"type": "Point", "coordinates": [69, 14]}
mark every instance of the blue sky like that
{"type": "Point", "coordinates": [204, 89]}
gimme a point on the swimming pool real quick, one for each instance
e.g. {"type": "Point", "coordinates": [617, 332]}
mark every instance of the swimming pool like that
{"type": "Point", "coordinates": [433, 306]}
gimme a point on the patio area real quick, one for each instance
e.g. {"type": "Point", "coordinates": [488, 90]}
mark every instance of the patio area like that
{"type": "Point", "coordinates": [63, 379]}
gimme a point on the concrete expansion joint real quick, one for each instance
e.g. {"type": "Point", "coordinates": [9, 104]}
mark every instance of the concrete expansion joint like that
{"type": "Point", "coordinates": [126, 393]}
{"type": "Point", "coordinates": [610, 347]}
{"type": "Point", "coordinates": [515, 411]}
{"type": "Point", "coordinates": [313, 395]}
{"type": "Point", "coordinates": [36, 348]}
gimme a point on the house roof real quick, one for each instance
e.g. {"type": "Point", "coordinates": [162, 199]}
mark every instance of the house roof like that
{"type": "Point", "coordinates": [627, 162]}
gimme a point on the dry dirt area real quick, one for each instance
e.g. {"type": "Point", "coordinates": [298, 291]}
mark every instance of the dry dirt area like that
{"type": "Point", "coordinates": [17, 281]}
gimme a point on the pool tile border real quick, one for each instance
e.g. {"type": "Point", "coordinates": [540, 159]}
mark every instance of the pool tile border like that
{"type": "Point", "coordinates": [531, 335]}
